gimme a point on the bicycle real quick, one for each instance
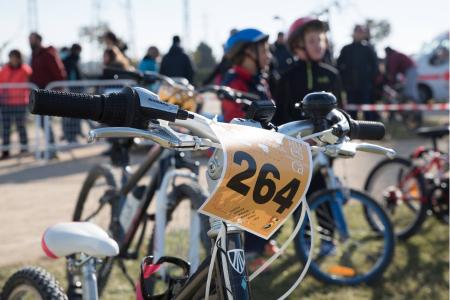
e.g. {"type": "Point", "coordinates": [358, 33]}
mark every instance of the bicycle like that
{"type": "Point", "coordinates": [409, 188]}
{"type": "Point", "coordinates": [348, 251]}
{"type": "Point", "coordinates": [121, 208]}
{"type": "Point", "coordinates": [225, 277]}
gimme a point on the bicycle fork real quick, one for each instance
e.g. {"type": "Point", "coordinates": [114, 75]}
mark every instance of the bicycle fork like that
{"type": "Point", "coordinates": [337, 204]}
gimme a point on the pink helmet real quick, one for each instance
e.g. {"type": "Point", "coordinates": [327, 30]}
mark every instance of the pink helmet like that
{"type": "Point", "coordinates": [297, 29]}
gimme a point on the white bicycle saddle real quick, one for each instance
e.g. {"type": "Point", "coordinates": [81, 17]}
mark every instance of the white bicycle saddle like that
{"type": "Point", "coordinates": [64, 239]}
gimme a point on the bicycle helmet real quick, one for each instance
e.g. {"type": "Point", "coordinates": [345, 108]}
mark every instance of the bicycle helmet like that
{"type": "Point", "coordinates": [238, 41]}
{"type": "Point", "coordinates": [297, 29]}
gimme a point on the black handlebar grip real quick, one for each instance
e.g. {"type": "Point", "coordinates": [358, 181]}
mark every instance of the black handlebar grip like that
{"type": "Point", "coordinates": [115, 109]}
{"type": "Point", "coordinates": [123, 109]}
{"type": "Point", "coordinates": [367, 130]}
{"type": "Point", "coordinates": [72, 105]}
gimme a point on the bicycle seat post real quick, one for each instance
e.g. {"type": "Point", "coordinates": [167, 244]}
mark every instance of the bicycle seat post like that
{"type": "Point", "coordinates": [90, 291]}
{"type": "Point", "coordinates": [434, 142]}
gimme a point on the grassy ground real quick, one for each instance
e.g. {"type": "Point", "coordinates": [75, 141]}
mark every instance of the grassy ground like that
{"type": "Point", "coordinates": [419, 271]}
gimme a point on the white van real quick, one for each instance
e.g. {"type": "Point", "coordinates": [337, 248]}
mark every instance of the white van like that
{"type": "Point", "coordinates": [433, 66]}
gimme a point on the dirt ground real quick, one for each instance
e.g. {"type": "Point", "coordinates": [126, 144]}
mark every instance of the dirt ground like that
{"type": "Point", "coordinates": [35, 195]}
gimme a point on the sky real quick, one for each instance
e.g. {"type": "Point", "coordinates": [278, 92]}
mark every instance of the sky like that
{"type": "Point", "coordinates": [156, 21]}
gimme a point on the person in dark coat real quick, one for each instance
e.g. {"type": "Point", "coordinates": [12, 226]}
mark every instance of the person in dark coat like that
{"type": "Point", "coordinates": [176, 63]}
{"type": "Point", "coordinates": [281, 60]}
{"type": "Point", "coordinates": [358, 66]}
{"type": "Point", "coordinates": [280, 53]}
{"type": "Point", "coordinates": [72, 127]}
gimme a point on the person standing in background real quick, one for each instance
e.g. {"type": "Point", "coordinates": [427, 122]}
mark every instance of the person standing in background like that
{"type": "Point", "coordinates": [72, 127]}
{"type": "Point", "coordinates": [176, 63]}
{"type": "Point", "coordinates": [47, 67]}
{"type": "Point", "coordinates": [45, 62]}
{"type": "Point", "coordinates": [399, 63]}
{"type": "Point", "coordinates": [150, 63]}
{"type": "Point", "coordinates": [358, 66]}
{"type": "Point", "coordinates": [150, 60]}
{"type": "Point", "coordinates": [111, 40]}
{"type": "Point", "coordinates": [13, 102]}
{"type": "Point", "coordinates": [281, 60]}
{"type": "Point", "coordinates": [280, 54]}
{"type": "Point", "coordinates": [114, 59]}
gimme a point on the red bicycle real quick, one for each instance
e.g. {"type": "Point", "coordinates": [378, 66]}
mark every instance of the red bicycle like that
{"type": "Point", "coordinates": [409, 189]}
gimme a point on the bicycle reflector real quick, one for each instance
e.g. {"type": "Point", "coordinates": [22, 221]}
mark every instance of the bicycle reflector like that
{"type": "Point", "coordinates": [342, 271]}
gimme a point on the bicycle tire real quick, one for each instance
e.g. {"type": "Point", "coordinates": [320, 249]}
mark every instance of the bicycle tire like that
{"type": "Point", "coordinates": [376, 172]}
{"type": "Point", "coordinates": [179, 193]}
{"type": "Point", "coordinates": [318, 199]}
{"type": "Point", "coordinates": [32, 279]}
{"type": "Point", "coordinates": [105, 267]}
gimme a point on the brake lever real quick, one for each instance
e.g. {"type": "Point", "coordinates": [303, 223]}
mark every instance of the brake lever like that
{"type": "Point", "coordinates": [349, 149]}
{"type": "Point", "coordinates": [376, 149]}
{"type": "Point", "coordinates": [162, 135]}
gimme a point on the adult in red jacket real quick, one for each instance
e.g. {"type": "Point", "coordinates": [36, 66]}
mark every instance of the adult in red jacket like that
{"type": "Point", "coordinates": [47, 67]}
{"type": "Point", "coordinates": [399, 63]}
{"type": "Point", "coordinates": [249, 53]}
{"type": "Point", "coordinates": [45, 62]}
{"type": "Point", "coordinates": [13, 102]}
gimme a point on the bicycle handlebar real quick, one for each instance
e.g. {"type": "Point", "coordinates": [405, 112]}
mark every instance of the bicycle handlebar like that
{"type": "Point", "coordinates": [136, 107]}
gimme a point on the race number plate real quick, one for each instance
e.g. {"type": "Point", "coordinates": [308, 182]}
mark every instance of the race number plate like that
{"type": "Point", "coordinates": [264, 177]}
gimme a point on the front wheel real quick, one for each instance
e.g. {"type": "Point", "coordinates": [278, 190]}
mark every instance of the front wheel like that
{"type": "Point", "coordinates": [32, 283]}
{"type": "Point", "coordinates": [346, 250]}
{"type": "Point", "coordinates": [400, 190]}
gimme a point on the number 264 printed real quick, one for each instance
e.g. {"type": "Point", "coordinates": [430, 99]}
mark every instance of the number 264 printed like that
{"type": "Point", "coordinates": [265, 188]}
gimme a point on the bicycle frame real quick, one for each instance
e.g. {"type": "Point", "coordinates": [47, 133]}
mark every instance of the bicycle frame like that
{"type": "Point", "coordinates": [160, 219]}
{"type": "Point", "coordinates": [157, 182]}
{"type": "Point", "coordinates": [124, 239]}
{"type": "Point", "coordinates": [322, 162]}
{"type": "Point", "coordinates": [436, 161]}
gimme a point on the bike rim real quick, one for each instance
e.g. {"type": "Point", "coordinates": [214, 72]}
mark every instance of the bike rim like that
{"type": "Point", "coordinates": [346, 259]}
{"type": "Point", "coordinates": [399, 192]}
